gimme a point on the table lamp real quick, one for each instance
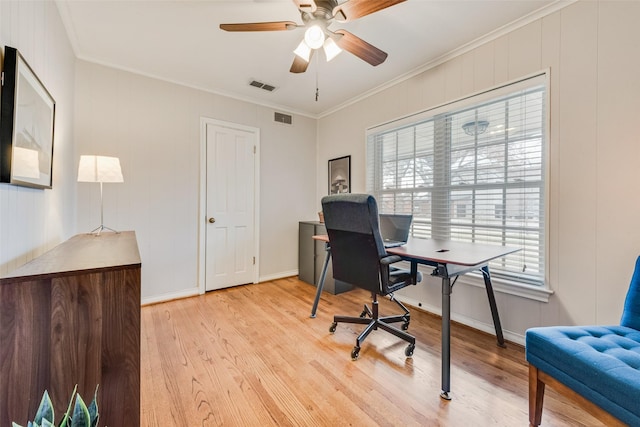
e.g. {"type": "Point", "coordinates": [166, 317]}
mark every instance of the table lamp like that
{"type": "Point", "coordinates": [100, 169]}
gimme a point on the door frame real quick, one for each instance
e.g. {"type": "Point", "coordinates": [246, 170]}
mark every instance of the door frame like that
{"type": "Point", "coordinates": [202, 209]}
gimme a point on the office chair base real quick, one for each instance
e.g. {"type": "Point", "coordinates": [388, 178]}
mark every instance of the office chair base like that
{"type": "Point", "coordinates": [370, 318]}
{"type": "Point", "coordinates": [408, 352]}
{"type": "Point", "coordinates": [355, 353]}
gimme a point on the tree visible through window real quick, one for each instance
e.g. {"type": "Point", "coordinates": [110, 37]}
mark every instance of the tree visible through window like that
{"type": "Point", "coordinates": [472, 172]}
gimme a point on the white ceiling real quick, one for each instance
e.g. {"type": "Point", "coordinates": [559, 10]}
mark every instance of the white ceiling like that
{"type": "Point", "coordinates": [180, 41]}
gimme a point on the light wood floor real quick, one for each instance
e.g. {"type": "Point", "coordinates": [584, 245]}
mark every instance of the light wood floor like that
{"type": "Point", "coordinates": [252, 356]}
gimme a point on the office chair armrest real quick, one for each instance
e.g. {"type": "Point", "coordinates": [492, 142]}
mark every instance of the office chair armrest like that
{"type": "Point", "coordinates": [390, 259]}
{"type": "Point", "coordinates": [393, 278]}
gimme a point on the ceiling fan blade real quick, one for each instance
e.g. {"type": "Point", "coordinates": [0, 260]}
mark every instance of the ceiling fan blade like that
{"type": "Point", "coordinates": [260, 26]}
{"type": "Point", "coordinates": [306, 5]}
{"type": "Point", "coordinates": [360, 48]}
{"type": "Point", "coordinates": [300, 65]}
{"type": "Point", "coordinates": [354, 9]}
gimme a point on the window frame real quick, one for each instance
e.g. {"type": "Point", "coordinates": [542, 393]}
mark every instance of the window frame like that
{"type": "Point", "coordinates": [540, 289]}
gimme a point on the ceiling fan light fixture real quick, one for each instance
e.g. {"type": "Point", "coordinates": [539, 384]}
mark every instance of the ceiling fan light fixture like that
{"type": "Point", "coordinates": [331, 49]}
{"type": "Point", "coordinates": [303, 51]}
{"type": "Point", "coordinates": [314, 37]}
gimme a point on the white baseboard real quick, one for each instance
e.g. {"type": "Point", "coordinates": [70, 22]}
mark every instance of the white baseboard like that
{"type": "Point", "coordinates": [277, 276]}
{"type": "Point", "coordinates": [473, 323]}
{"type": "Point", "coordinates": [171, 296]}
{"type": "Point", "coordinates": [195, 291]}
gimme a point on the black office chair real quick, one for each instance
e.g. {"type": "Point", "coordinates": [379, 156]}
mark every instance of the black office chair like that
{"type": "Point", "coordinates": [359, 258]}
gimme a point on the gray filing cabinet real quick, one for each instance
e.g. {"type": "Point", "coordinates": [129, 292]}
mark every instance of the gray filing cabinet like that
{"type": "Point", "coordinates": [311, 254]}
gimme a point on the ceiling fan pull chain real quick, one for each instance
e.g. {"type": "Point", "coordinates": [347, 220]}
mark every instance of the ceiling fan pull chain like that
{"type": "Point", "coordinates": [317, 90]}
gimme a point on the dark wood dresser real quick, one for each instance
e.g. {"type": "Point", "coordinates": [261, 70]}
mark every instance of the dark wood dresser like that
{"type": "Point", "coordinates": [72, 316]}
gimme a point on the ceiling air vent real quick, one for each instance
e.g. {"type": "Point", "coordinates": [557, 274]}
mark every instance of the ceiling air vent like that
{"type": "Point", "coordinates": [283, 118]}
{"type": "Point", "coordinates": [260, 85]}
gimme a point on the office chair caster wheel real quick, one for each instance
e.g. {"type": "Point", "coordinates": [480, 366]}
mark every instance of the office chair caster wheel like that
{"type": "Point", "coordinates": [364, 313]}
{"type": "Point", "coordinates": [355, 353]}
{"type": "Point", "coordinates": [409, 350]}
{"type": "Point", "coordinates": [333, 326]}
{"type": "Point", "coordinates": [405, 326]}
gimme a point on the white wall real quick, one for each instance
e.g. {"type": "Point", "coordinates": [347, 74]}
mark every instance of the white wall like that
{"type": "Point", "coordinates": [591, 49]}
{"type": "Point", "coordinates": [33, 221]}
{"type": "Point", "coordinates": [153, 126]}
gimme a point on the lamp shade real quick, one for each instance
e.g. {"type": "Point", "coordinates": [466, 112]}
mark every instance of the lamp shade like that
{"type": "Point", "coordinates": [99, 169]}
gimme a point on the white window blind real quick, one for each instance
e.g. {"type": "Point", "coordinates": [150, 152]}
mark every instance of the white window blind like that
{"type": "Point", "coordinates": [473, 171]}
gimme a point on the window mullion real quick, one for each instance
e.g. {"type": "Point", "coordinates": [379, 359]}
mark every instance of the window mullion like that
{"type": "Point", "coordinates": [397, 172]}
{"type": "Point", "coordinates": [474, 202]}
{"type": "Point", "coordinates": [505, 141]}
{"type": "Point", "coordinates": [441, 227]}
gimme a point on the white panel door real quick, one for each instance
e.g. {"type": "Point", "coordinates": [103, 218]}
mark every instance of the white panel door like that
{"type": "Point", "coordinates": [230, 206]}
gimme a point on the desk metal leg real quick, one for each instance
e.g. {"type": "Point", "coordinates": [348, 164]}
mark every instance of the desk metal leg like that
{"type": "Point", "coordinates": [492, 304]}
{"type": "Point", "coordinates": [446, 338]}
{"type": "Point", "coordinates": [414, 272]}
{"type": "Point", "coordinates": [320, 284]}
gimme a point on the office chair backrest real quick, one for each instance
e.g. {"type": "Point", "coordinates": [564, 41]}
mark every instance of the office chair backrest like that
{"type": "Point", "coordinates": [631, 312]}
{"type": "Point", "coordinates": [356, 245]}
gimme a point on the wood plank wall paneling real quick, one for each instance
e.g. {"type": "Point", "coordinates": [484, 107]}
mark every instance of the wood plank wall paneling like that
{"type": "Point", "coordinates": [250, 355]}
{"type": "Point", "coordinates": [31, 222]}
{"type": "Point", "coordinates": [78, 323]}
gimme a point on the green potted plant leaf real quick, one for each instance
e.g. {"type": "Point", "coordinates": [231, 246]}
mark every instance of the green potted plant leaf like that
{"type": "Point", "coordinates": [82, 415]}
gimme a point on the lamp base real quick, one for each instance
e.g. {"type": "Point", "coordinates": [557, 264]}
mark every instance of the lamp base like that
{"type": "Point", "coordinates": [102, 228]}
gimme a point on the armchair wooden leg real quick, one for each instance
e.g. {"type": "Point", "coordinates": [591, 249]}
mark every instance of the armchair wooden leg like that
{"type": "Point", "coordinates": [536, 397]}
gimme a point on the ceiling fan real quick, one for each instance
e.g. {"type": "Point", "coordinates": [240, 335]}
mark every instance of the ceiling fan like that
{"type": "Point", "coordinates": [317, 16]}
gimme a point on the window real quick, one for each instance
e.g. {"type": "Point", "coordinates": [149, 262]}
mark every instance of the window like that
{"type": "Point", "coordinates": [471, 171]}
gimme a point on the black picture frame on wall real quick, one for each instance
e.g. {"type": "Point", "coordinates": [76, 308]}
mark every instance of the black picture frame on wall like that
{"type": "Point", "coordinates": [27, 117]}
{"type": "Point", "coordinates": [340, 175]}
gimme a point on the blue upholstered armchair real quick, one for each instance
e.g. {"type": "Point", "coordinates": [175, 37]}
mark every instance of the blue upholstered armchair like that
{"type": "Point", "coordinates": [598, 366]}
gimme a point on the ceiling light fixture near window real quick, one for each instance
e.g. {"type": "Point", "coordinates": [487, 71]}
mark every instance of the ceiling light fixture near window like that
{"type": "Point", "coordinates": [475, 128]}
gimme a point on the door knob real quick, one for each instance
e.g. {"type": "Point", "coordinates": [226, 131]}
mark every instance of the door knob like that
{"type": "Point", "coordinates": [212, 220]}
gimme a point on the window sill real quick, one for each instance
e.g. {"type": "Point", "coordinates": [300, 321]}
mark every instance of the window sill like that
{"type": "Point", "coordinates": [510, 287]}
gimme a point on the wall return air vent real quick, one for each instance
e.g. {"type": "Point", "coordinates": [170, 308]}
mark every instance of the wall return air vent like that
{"type": "Point", "coordinates": [282, 118]}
